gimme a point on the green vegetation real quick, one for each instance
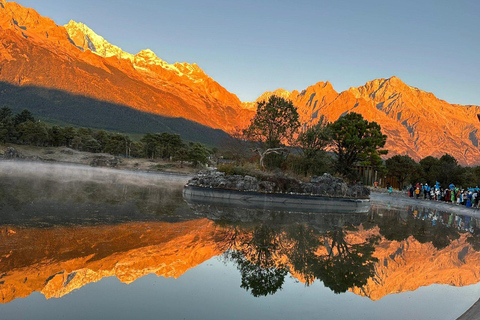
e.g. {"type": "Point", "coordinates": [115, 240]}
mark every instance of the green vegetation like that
{"type": "Point", "coordinates": [275, 122]}
{"type": "Point", "coordinates": [312, 143]}
{"type": "Point", "coordinates": [431, 170]}
{"type": "Point", "coordinates": [23, 128]}
{"type": "Point", "coordinates": [401, 167]}
{"type": "Point", "coordinates": [352, 139]}
{"type": "Point", "coordinates": [356, 140]}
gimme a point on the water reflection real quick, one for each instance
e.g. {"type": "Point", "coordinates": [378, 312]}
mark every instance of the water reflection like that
{"type": "Point", "coordinates": [425, 225]}
{"type": "Point", "coordinates": [56, 237]}
{"type": "Point", "coordinates": [48, 202]}
{"type": "Point", "coordinates": [264, 255]}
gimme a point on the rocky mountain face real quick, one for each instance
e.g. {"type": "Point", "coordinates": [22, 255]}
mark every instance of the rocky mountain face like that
{"type": "Point", "coordinates": [34, 51]}
{"type": "Point", "coordinates": [416, 122]}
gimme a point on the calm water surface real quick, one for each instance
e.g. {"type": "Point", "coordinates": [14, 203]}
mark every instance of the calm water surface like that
{"type": "Point", "coordinates": [79, 243]}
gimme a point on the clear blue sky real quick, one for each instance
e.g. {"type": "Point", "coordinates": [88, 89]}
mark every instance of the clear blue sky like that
{"type": "Point", "coordinates": [253, 46]}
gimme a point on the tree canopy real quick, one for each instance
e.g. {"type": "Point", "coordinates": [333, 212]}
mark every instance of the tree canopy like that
{"type": "Point", "coordinates": [355, 140]}
{"type": "Point", "coordinates": [276, 121]}
{"type": "Point", "coordinates": [312, 143]}
{"type": "Point", "coordinates": [401, 167]}
{"type": "Point", "coordinates": [23, 128]}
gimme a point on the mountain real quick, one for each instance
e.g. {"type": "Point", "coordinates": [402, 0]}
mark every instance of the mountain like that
{"type": "Point", "coordinates": [35, 52]}
{"type": "Point", "coordinates": [71, 75]}
{"type": "Point", "coordinates": [416, 122]}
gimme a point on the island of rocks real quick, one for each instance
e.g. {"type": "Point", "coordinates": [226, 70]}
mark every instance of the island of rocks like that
{"type": "Point", "coordinates": [325, 193]}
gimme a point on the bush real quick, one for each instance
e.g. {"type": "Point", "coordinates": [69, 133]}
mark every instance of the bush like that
{"type": "Point", "coordinates": [231, 169]}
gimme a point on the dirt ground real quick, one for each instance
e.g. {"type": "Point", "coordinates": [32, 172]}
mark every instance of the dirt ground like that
{"type": "Point", "coordinates": [67, 155]}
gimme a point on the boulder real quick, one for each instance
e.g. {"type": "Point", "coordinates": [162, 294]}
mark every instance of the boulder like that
{"type": "Point", "coordinates": [11, 153]}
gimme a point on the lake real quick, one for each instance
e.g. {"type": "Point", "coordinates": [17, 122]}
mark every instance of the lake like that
{"type": "Point", "coordinates": [85, 243]}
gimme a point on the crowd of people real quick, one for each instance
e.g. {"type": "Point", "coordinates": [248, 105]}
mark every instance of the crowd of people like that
{"type": "Point", "coordinates": [468, 197]}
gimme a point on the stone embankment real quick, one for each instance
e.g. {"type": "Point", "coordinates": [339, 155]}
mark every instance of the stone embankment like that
{"type": "Point", "coordinates": [325, 185]}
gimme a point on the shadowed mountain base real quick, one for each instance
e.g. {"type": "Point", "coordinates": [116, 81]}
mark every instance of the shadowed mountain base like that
{"type": "Point", "coordinates": [63, 108]}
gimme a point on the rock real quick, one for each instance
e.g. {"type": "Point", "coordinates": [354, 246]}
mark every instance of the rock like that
{"type": "Point", "coordinates": [11, 153]}
{"type": "Point", "coordinates": [105, 161]}
{"type": "Point", "coordinates": [325, 185]}
{"type": "Point", "coordinates": [66, 151]}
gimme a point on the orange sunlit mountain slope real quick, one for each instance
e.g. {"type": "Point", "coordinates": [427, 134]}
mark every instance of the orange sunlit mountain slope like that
{"type": "Point", "coordinates": [34, 51]}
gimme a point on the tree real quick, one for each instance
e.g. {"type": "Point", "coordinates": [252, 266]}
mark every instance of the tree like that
{"type": "Point", "coordinates": [275, 122]}
{"type": "Point", "coordinates": [33, 133]}
{"type": "Point", "coordinates": [263, 154]}
{"type": "Point", "coordinates": [56, 136]}
{"type": "Point", "coordinates": [355, 139]}
{"type": "Point", "coordinates": [169, 144]}
{"type": "Point", "coordinates": [149, 145]}
{"type": "Point", "coordinates": [69, 134]}
{"type": "Point", "coordinates": [450, 171]}
{"type": "Point", "coordinates": [315, 138]}
{"type": "Point", "coordinates": [312, 143]}
{"type": "Point", "coordinates": [23, 116]}
{"type": "Point", "coordinates": [430, 169]}
{"type": "Point", "coordinates": [7, 125]}
{"type": "Point", "coordinates": [118, 144]}
{"type": "Point", "coordinates": [401, 167]}
{"type": "Point", "coordinates": [5, 113]}
{"type": "Point", "coordinates": [198, 154]}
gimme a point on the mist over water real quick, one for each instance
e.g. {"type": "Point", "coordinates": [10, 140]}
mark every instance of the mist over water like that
{"type": "Point", "coordinates": [42, 194]}
{"type": "Point", "coordinates": [71, 172]}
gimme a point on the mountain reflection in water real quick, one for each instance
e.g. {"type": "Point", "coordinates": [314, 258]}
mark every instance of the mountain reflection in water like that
{"type": "Point", "coordinates": [57, 237]}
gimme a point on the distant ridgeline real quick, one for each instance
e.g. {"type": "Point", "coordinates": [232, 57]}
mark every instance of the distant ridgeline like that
{"type": "Point", "coordinates": [60, 107]}
{"type": "Point", "coordinates": [23, 128]}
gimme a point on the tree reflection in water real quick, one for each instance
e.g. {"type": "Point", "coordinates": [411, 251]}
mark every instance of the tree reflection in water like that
{"type": "Point", "coordinates": [256, 259]}
{"type": "Point", "coordinates": [425, 225]}
{"type": "Point", "coordinates": [265, 252]}
{"type": "Point", "coordinates": [265, 255]}
{"type": "Point", "coordinates": [346, 265]}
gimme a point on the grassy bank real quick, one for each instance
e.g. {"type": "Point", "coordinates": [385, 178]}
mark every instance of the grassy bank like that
{"type": "Point", "coordinates": [68, 155]}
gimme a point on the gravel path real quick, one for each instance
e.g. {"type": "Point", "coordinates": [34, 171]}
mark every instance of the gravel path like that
{"type": "Point", "coordinates": [400, 200]}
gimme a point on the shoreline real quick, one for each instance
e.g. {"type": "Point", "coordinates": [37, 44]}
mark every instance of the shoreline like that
{"type": "Point", "coordinates": [401, 200]}
{"type": "Point", "coordinates": [380, 197]}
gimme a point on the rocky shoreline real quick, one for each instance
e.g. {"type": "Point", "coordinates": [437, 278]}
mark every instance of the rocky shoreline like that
{"type": "Point", "coordinates": [325, 185]}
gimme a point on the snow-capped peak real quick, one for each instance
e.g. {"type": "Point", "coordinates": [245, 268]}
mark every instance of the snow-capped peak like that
{"type": "Point", "coordinates": [87, 39]}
